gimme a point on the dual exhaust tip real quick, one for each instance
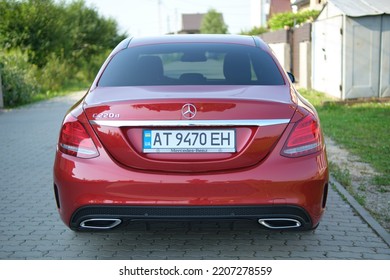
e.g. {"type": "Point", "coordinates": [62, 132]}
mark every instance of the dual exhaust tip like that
{"type": "Point", "coordinates": [280, 223]}
{"type": "Point", "coordinates": [100, 223]}
{"type": "Point", "coordinates": [271, 223]}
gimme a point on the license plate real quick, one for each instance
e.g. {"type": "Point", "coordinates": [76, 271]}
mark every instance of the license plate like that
{"type": "Point", "coordinates": [189, 141]}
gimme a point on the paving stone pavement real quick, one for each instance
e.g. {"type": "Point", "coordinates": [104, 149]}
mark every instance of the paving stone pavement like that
{"type": "Point", "coordinates": [30, 227]}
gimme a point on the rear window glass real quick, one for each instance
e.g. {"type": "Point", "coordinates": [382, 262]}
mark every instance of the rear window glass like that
{"type": "Point", "coordinates": [191, 64]}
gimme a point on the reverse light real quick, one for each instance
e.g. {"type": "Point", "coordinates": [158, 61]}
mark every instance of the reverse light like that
{"type": "Point", "coordinates": [75, 140]}
{"type": "Point", "coordinates": [304, 139]}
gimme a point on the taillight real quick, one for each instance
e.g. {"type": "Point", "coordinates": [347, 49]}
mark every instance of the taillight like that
{"type": "Point", "coordinates": [304, 139]}
{"type": "Point", "coordinates": [75, 140]}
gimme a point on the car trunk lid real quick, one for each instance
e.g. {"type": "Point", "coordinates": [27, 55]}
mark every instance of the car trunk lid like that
{"type": "Point", "coordinates": [141, 127]}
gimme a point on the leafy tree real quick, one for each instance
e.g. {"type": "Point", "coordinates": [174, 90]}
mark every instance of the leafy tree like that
{"type": "Point", "coordinates": [48, 44]}
{"type": "Point", "coordinates": [290, 19]}
{"type": "Point", "coordinates": [44, 27]}
{"type": "Point", "coordinates": [35, 26]}
{"type": "Point", "coordinates": [212, 23]}
{"type": "Point", "coordinates": [90, 34]}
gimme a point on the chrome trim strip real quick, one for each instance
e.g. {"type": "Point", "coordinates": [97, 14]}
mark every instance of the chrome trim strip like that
{"type": "Point", "coordinates": [189, 123]}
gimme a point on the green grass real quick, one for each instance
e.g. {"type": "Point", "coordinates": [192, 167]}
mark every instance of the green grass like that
{"type": "Point", "coordinates": [362, 128]}
{"type": "Point", "coordinates": [341, 175]}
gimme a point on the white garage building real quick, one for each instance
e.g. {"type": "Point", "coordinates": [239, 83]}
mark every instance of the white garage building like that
{"type": "Point", "coordinates": [351, 49]}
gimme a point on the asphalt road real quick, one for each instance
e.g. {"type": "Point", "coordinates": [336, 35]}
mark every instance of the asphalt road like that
{"type": "Point", "coordinates": [30, 227]}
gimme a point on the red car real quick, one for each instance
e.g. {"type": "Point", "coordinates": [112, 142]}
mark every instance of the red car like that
{"type": "Point", "coordinates": [183, 127]}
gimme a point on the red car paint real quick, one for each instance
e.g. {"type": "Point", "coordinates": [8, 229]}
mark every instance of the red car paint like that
{"type": "Point", "coordinates": [114, 179]}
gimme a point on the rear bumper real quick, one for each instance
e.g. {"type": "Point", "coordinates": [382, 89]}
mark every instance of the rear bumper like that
{"type": "Point", "coordinates": [96, 188]}
{"type": "Point", "coordinates": [285, 213]}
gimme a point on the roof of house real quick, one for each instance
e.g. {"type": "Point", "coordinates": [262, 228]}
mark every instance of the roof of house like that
{"type": "Point", "coordinates": [191, 21]}
{"type": "Point", "coordinates": [279, 6]}
{"type": "Point", "coordinates": [359, 8]}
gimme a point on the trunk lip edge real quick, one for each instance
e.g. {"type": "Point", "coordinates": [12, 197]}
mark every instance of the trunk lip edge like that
{"type": "Point", "coordinates": [192, 123]}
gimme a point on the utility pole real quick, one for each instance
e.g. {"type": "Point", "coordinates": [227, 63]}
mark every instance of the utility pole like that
{"type": "Point", "coordinates": [168, 25]}
{"type": "Point", "coordinates": [159, 18]}
{"type": "Point", "coordinates": [176, 25]}
{"type": "Point", "coordinates": [1, 94]}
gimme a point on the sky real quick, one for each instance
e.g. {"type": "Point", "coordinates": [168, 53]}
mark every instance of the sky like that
{"type": "Point", "coordinates": [153, 17]}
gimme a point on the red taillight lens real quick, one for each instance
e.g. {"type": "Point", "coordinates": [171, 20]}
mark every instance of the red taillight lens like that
{"type": "Point", "coordinates": [304, 139]}
{"type": "Point", "coordinates": [75, 140]}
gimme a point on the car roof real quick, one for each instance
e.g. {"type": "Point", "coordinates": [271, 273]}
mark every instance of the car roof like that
{"type": "Point", "coordinates": [198, 38]}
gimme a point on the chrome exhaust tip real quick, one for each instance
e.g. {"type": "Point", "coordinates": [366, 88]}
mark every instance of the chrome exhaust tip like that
{"type": "Point", "coordinates": [280, 223]}
{"type": "Point", "coordinates": [100, 223]}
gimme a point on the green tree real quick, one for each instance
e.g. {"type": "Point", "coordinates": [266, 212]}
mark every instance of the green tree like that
{"type": "Point", "coordinates": [43, 27]}
{"type": "Point", "coordinates": [89, 33]}
{"type": "Point", "coordinates": [212, 23]}
{"type": "Point", "coordinates": [46, 45]}
{"type": "Point", "coordinates": [35, 26]}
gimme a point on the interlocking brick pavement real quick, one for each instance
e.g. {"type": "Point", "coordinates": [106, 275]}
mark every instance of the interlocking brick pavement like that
{"type": "Point", "coordinates": [30, 227]}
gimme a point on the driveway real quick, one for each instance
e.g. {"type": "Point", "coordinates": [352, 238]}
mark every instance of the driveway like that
{"type": "Point", "coordinates": [30, 227]}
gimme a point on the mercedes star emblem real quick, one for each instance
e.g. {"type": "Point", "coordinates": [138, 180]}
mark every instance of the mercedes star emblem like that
{"type": "Point", "coordinates": [188, 111]}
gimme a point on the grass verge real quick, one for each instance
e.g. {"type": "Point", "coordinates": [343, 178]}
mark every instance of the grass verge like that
{"type": "Point", "coordinates": [341, 175]}
{"type": "Point", "coordinates": [361, 127]}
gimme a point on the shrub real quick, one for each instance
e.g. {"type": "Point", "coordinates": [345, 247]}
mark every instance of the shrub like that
{"type": "Point", "coordinates": [18, 78]}
{"type": "Point", "coordinates": [90, 68]}
{"type": "Point", "coordinates": [257, 30]}
{"type": "Point", "coordinates": [54, 75]}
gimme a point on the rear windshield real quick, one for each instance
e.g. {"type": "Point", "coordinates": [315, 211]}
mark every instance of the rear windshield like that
{"type": "Point", "coordinates": [191, 64]}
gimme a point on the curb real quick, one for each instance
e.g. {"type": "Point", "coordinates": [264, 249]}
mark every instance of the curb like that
{"type": "Point", "coordinates": [363, 213]}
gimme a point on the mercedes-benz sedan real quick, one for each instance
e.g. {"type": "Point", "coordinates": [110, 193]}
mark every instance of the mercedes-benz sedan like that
{"type": "Point", "coordinates": [185, 127]}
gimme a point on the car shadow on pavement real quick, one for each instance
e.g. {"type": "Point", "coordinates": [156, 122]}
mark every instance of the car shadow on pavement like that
{"type": "Point", "coordinates": [199, 240]}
